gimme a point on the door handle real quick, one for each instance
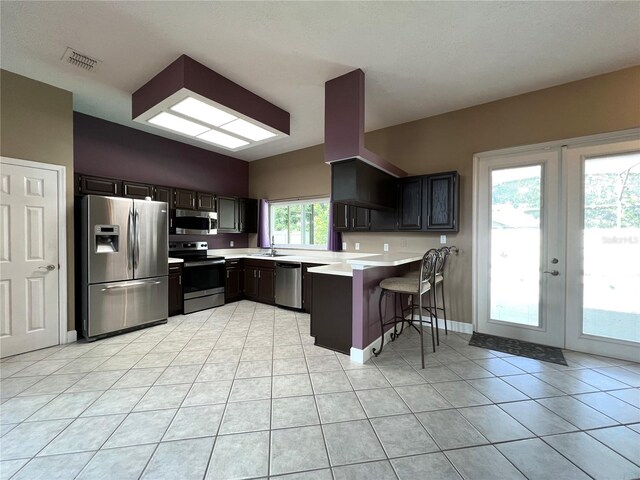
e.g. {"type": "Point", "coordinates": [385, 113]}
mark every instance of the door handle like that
{"type": "Point", "coordinates": [130, 241]}
{"type": "Point", "coordinates": [136, 253]}
{"type": "Point", "coordinates": [48, 268]}
{"type": "Point", "coordinates": [130, 284]}
{"type": "Point", "coordinates": [555, 273]}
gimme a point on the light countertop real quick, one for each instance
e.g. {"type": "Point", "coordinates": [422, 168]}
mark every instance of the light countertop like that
{"type": "Point", "coordinates": [333, 263]}
{"type": "Point", "coordinates": [175, 260]}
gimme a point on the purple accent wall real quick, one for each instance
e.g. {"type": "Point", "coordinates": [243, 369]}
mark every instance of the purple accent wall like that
{"type": "Point", "coordinates": [185, 72]}
{"type": "Point", "coordinates": [106, 149]}
{"type": "Point", "coordinates": [365, 326]}
{"type": "Point", "coordinates": [344, 123]}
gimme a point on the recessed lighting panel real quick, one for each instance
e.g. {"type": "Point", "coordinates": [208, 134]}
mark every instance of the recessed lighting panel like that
{"type": "Point", "coordinates": [222, 139]}
{"type": "Point", "coordinates": [178, 124]}
{"type": "Point", "coordinates": [248, 130]}
{"type": "Point", "coordinates": [194, 108]}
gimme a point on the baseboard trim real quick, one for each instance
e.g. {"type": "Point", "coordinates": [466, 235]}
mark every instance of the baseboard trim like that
{"type": "Point", "coordinates": [363, 355]}
{"type": "Point", "coordinates": [72, 336]}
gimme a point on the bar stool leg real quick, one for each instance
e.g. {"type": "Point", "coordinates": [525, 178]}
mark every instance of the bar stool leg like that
{"type": "Point", "coordinates": [444, 306]}
{"type": "Point", "coordinates": [373, 350]}
{"type": "Point", "coordinates": [395, 333]}
{"type": "Point", "coordinates": [434, 311]}
{"type": "Point", "coordinates": [420, 319]}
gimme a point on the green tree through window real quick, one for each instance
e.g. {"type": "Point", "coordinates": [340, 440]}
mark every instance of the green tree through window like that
{"type": "Point", "coordinates": [301, 223]}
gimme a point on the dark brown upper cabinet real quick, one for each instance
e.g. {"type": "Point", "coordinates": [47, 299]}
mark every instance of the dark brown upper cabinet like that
{"type": "Point", "coordinates": [87, 185]}
{"type": "Point", "coordinates": [227, 215]}
{"type": "Point", "coordinates": [360, 219]}
{"type": "Point", "coordinates": [382, 220]}
{"type": "Point", "coordinates": [410, 203]}
{"type": "Point", "coordinates": [341, 218]}
{"type": "Point", "coordinates": [206, 201]}
{"type": "Point", "coordinates": [184, 199]}
{"type": "Point", "coordinates": [162, 194]}
{"type": "Point", "coordinates": [247, 215]}
{"type": "Point", "coordinates": [137, 190]}
{"type": "Point", "coordinates": [442, 192]}
{"type": "Point", "coordinates": [356, 183]}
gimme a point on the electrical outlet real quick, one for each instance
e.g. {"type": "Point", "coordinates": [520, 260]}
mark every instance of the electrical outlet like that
{"type": "Point", "coordinates": [443, 239]}
{"type": "Point", "coordinates": [357, 246]}
{"type": "Point", "coordinates": [344, 245]}
{"type": "Point", "coordinates": [385, 247]}
{"type": "Point", "coordinates": [231, 243]}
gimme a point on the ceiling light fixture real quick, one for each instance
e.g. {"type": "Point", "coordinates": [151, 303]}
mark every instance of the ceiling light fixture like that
{"type": "Point", "coordinates": [192, 100]}
{"type": "Point", "coordinates": [194, 108]}
{"type": "Point", "coordinates": [247, 130]}
{"type": "Point", "coordinates": [222, 139]}
{"type": "Point", "coordinates": [178, 124]}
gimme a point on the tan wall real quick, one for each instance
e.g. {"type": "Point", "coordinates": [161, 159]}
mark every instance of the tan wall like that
{"type": "Point", "coordinates": [604, 103]}
{"type": "Point", "coordinates": [36, 123]}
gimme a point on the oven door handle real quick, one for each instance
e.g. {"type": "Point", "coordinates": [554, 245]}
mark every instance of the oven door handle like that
{"type": "Point", "coordinates": [204, 263]}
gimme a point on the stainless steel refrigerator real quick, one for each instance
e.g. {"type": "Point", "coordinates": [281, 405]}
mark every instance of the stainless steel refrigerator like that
{"type": "Point", "coordinates": [124, 264]}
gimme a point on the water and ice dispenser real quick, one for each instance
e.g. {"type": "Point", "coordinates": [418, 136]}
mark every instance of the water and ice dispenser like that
{"type": "Point", "coordinates": [107, 238]}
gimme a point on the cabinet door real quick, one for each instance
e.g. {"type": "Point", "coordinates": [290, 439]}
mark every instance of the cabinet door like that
{"type": "Point", "coordinates": [360, 219]}
{"type": "Point", "coordinates": [341, 220]}
{"type": "Point", "coordinates": [307, 287]}
{"type": "Point", "coordinates": [206, 201]}
{"type": "Point", "coordinates": [442, 201]}
{"type": "Point", "coordinates": [233, 286]}
{"type": "Point", "coordinates": [99, 186]}
{"type": "Point", "coordinates": [175, 295]}
{"type": "Point", "coordinates": [136, 190]}
{"type": "Point", "coordinates": [383, 220]}
{"type": "Point", "coordinates": [248, 215]}
{"type": "Point", "coordinates": [184, 199]}
{"type": "Point", "coordinates": [267, 285]}
{"type": "Point", "coordinates": [227, 215]}
{"type": "Point", "coordinates": [410, 204]}
{"type": "Point", "coordinates": [251, 282]}
{"type": "Point", "coordinates": [162, 194]}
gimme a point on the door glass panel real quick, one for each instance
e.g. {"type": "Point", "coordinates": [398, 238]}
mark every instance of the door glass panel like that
{"type": "Point", "coordinates": [515, 245]}
{"type": "Point", "coordinates": [611, 269]}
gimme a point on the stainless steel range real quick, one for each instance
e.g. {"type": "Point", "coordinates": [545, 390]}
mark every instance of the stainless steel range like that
{"type": "Point", "coordinates": [203, 275]}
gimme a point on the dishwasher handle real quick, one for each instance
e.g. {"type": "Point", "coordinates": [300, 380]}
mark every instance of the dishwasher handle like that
{"type": "Point", "coordinates": [288, 265]}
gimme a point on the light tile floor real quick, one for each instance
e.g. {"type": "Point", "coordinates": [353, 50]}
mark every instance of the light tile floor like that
{"type": "Point", "coordinates": [241, 392]}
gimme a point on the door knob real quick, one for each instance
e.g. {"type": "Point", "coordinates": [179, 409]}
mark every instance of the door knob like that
{"type": "Point", "coordinates": [48, 267]}
{"type": "Point", "coordinates": [555, 273]}
{"type": "Point", "coordinates": [554, 260]}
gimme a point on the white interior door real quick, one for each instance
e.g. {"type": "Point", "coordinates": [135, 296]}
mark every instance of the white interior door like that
{"type": "Point", "coordinates": [519, 264]}
{"type": "Point", "coordinates": [603, 249]}
{"type": "Point", "coordinates": [29, 236]}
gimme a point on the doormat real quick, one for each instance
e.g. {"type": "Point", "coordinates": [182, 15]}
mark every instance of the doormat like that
{"type": "Point", "coordinates": [517, 347]}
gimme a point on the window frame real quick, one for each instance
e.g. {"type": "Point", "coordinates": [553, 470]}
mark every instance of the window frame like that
{"type": "Point", "coordinates": [306, 201]}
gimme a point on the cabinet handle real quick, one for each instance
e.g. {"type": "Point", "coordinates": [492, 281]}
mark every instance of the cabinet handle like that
{"type": "Point", "coordinates": [259, 272]}
{"type": "Point", "coordinates": [180, 280]}
{"type": "Point", "coordinates": [227, 273]}
{"type": "Point", "coordinates": [254, 274]}
{"type": "Point", "coordinates": [353, 223]}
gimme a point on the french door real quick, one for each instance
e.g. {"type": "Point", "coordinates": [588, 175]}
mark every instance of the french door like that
{"type": "Point", "coordinates": [557, 258]}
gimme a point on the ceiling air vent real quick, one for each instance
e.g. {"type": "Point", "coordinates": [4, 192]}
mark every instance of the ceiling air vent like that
{"type": "Point", "coordinates": [80, 60]}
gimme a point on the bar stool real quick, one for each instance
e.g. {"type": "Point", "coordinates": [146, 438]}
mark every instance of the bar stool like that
{"type": "Point", "coordinates": [413, 287]}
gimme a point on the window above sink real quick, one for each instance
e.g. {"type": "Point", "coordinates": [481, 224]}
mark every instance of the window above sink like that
{"type": "Point", "coordinates": [299, 224]}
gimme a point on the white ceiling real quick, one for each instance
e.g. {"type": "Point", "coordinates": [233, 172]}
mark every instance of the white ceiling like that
{"type": "Point", "coordinates": [420, 58]}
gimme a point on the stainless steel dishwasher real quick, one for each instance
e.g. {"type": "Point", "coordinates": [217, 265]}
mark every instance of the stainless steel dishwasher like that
{"type": "Point", "coordinates": [289, 284]}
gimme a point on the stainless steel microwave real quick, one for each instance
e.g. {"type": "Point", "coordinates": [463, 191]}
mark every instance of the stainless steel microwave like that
{"type": "Point", "coordinates": [195, 222]}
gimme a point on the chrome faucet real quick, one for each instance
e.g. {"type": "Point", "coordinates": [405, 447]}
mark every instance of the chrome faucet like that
{"type": "Point", "coordinates": [273, 250]}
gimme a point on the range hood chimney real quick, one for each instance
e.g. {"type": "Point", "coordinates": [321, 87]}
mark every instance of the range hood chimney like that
{"type": "Point", "coordinates": [359, 177]}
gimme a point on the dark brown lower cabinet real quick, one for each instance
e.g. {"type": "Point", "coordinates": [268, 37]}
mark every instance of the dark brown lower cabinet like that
{"type": "Point", "coordinates": [307, 286]}
{"type": "Point", "coordinates": [260, 280]}
{"type": "Point", "coordinates": [331, 312]}
{"type": "Point", "coordinates": [234, 282]}
{"type": "Point", "coordinates": [175, 289]}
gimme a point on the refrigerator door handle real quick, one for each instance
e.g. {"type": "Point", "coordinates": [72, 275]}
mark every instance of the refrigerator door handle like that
{"type": "Point", "coordinates": [136, 249]}
{"type": "Point", "coordinates": [130, 234]}
{"type": "Point", "coordinates": [130, 284]}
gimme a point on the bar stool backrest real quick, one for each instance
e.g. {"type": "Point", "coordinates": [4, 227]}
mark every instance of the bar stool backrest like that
{"type": "Point", "coordinates": [428, 268]}
{"type": "Point", "coordinates": [441, 262]}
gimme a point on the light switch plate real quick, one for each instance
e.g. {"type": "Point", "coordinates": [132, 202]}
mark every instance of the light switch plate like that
{"type": "Point", "coordinates": [231, 243]}
{"type": "Point", "coordinates": [443, 239]}
{"type": "Point", "coordinates": [344, 245]}
{"type": "Point", "coordinates": [385, 247]}
{"type": "Point", "coordinates": [357, 246]}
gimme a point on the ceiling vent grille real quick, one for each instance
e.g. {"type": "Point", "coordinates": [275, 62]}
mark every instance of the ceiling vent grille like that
{"type": "Point", "coordinates": [80, 60]}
